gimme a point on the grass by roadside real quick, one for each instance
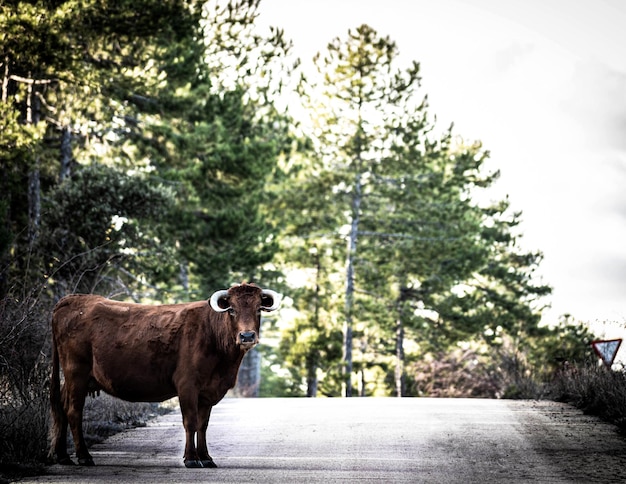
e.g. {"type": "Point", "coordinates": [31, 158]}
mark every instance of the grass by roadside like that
{"type": "Point", "coordinates": [595, 389]}
{"type": "Point", "coordinates": [104, 416]}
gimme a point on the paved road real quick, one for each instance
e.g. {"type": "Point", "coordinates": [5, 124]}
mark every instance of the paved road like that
{"type": "Point", "coordinates": [384, 440]}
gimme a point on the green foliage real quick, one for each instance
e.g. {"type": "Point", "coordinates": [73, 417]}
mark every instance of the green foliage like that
{"type": "Point", "coordinates": [309, 346]}
{"type": "Point", "coordinates": [426, 262]}
{"type": "Point", "coordinates": [567, 343]}
{"type": "Point", "coordinates": [277, 382]}
{"type": "Point", "coordinates": [219, 167]}
{"type": "Point", "coordinates": [99, 222]}
{"type": "Point", "coordinates": [134, 86]}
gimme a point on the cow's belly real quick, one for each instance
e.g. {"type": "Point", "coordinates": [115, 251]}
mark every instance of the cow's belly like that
{"type": "Point", "coordinates": [133, 379]}
{"type": "Point", "coordinates": [132, 395]}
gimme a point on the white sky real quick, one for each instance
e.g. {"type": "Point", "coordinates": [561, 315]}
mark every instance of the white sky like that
{"type": "Point", "coordinates": [542, 83]}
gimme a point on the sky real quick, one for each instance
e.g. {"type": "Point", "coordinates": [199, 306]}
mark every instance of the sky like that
{"type": "Point", "coordinates": [542, 83]}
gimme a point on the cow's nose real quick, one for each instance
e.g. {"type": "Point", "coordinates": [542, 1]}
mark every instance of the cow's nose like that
{"type": "Point", "coordinates": [247, 337]}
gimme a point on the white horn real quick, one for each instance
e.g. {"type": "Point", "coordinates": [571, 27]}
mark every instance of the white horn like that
{"type": "Point", "coordinates": [275, 299]}
{"type": "Point", "coordinates": [214, 301]}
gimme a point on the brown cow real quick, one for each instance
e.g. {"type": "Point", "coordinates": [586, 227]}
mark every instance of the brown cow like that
{"type": "Point", "coordinates": [144, 353]}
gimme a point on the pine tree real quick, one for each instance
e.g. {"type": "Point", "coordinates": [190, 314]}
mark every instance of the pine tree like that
{"type": "Point", "coordinates": [403, 199]}
{"type": "Point", "coordinates": [356, 84]}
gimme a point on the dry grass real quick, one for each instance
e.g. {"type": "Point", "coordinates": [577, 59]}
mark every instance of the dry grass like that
{"type": "Point", "coordinates": [106, 415]}
{"type": "Point", "coordinates": [23, 429]}
{"type": "Point", "coordinates": [24, 379]}
{"type": "Point", "coordinates": [594, 389]}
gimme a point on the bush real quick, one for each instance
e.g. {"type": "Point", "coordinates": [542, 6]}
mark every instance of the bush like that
{"type": "Point", "coordinates": [595, 389]}
{"type": "Point", "coordinates": [24, 423]}
{"type": "Point", "coordinates": [459, 373]}
{"type": "Point", "coordinates": [105, 415]}
{"type": "Point", "coordinates": [24, 375]}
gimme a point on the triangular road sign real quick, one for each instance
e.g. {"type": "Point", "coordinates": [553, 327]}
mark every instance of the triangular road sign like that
{"type": "Point", "coordinates": [606, 349]}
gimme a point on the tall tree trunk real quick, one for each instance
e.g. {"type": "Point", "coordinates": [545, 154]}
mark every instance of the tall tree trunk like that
{"type": "Point", "coordinates": [5, 81]}
{"type": "Point", "coordinates": [33, 115]}
{"type": "Point", "coordinates": [362, 388]}
{"type": "Point", "coordinates": [34, 204]}
{"type": "Point", "coordinates": [66, 152]}
{"type": "Point", "coordinates": [352, 246]}
{"type": "Point", "coordinates": [399, 370]}
{"type": "Point", "coordinates": [184, 277]}
{"type": "Point", "coordinates": [312, 360]}
{"type": "Point", "coordinates": [249, 377]}
{"type": "Point", "coordinates": [311, 378]}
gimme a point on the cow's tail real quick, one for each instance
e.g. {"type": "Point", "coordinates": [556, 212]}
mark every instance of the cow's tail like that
{"type": "Point", "coordinates": [56, 405]}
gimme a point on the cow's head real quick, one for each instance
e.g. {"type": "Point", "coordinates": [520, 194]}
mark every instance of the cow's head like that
{"type": "Point", "coordinates": [244, 303]}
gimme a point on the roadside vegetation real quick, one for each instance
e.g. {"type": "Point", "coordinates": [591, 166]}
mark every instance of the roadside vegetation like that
{"type": "Point", "coordinates": [106, 415]}
{"type": "Point", "coordinates": [154, 160]}
{"type": "Point", "coordinates": [595, 389]}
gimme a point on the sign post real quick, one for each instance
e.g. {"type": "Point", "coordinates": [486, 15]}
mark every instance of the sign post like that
{"type": "Point", "coordinates": [606, 350]}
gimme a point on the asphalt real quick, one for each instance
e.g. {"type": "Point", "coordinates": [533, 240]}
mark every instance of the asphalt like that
{"type": "Point", "coordinates": [369, 439]}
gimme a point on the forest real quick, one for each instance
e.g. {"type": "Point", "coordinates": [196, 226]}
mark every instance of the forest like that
{"type": "Point", "coordinates": [156, 151]}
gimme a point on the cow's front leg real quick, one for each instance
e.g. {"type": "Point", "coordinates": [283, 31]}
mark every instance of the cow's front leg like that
{"type": "Point", "coordinates": [204, 413]}
{"type": "Point", "coordinates": [189, 409]}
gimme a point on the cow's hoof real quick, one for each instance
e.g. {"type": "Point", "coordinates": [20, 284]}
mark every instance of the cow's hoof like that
{"type": "Point", "coordinates": [193, 464]}
{"type": "Point", "coordinates": [65, 461]}
{"type": "Point", "coordinates": [86, 461]}
{"type": "Point", "coordinates": [208, 463]}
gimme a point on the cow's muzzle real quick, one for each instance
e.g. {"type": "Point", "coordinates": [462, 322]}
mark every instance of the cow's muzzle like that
{"type": "Point", "coordinates": [247, 339]}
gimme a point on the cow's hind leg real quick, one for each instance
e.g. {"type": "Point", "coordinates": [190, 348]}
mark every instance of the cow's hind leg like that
{"type": "Point", "coordinates": [75, 403]}
{"type": "Point", "coordinates": [59, 433]}
{"type": "Point", "coordinates": [58, 430]}
{"type": "Point", "coordinates": [204, 413]}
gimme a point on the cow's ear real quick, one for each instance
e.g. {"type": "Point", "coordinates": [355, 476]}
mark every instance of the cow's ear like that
{"type": "Point", "coordinates": [223, 303]}
{"type": "Point", "coordinates": [219, 301]}
{"type": "Point", "coordinates": [270, 300]}
{"type": "Point", "coordinates": [267, 301]}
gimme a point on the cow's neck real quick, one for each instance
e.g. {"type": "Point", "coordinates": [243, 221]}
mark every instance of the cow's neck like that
{"type": "Point", "coordinates": [222, 354]}
{"type": "Point", "coordinates": [224, 374]}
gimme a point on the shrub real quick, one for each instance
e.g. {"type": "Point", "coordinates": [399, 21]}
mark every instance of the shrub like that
{"type": "Point", "coordinates": [460, 373]}
{"type": "Point", "coordinates": [595, 389]}
{"type": "Point", "coordinates": [105, 415]}
{"type": "Point", "coordinates": [23, 379]}
{"type": "Point", "coordinates": [24, 422]}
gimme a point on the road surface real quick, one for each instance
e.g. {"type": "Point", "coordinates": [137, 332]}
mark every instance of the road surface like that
{"type": "Point", "coordinates": [369, 439]}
